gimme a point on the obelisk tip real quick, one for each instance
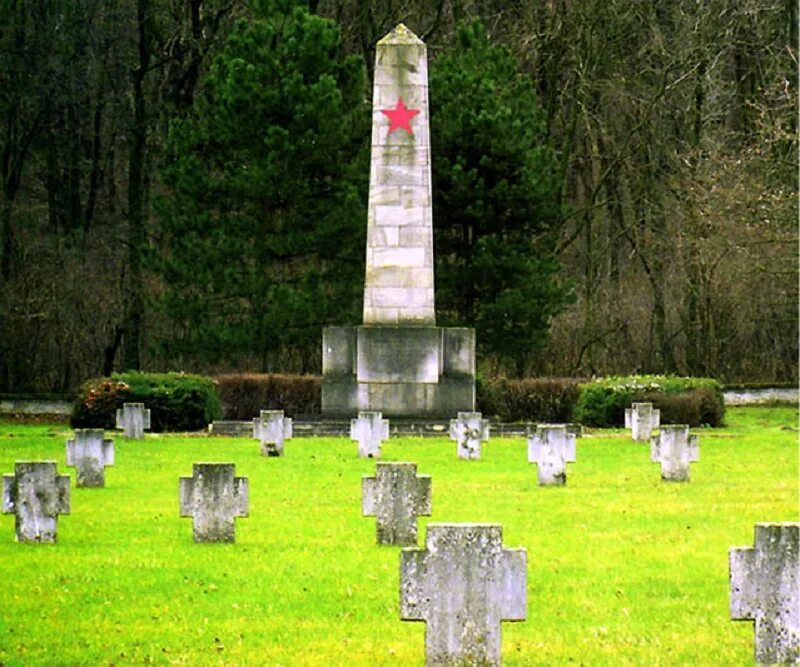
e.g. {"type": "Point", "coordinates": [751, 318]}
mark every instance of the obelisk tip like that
{"type": "Point", "coordinates": [400, 35]}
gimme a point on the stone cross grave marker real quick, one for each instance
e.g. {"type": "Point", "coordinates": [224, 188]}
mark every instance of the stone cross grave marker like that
{"type": "Point", "coordinates": [90, 452]}
{"type": "Point", "coordinates": [213, 497]}
{"type": "Point", "coordinates": [551, 447]}
{"type": "Point", "coordinates": [642, 419]}
{"type": "Point", "coordinates": [395, 497]}
{"type": "Point", "coordinates": [463, 584]}
{"type": "Point", "coordinates": [369, 429]}
{"type": "Point", "coordinates": [133, 419]}
{"type": "Point", "coordinates": [272, 428]}
{"type": "Point", "coordinates": [674, 449]}
{"type": "Point", "coordinates": [36, 494]}
{"type": "Point", "coordinates": [765, 588]}
{"type": "Point", "coordinates": [469, 430]}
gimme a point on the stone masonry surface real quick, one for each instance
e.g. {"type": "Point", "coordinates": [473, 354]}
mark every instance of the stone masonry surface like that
{"type": "Point", "coordinates": [396, 496]}
{"type": "Point", "coordinates": [462, 585]}
{"type": "Point", "coordinates": [271, 428]}
{"type": "Point", "coordinates": [551, 447]}
{"type": "Point", "coordinates": [469, 430]}
{"type": "Point", "coordinates": [765, 588]}
{"type": "Point", "coordinates": [398, 361]}
{"type": "Point", "coordinates": [674, 449]}
{"type": "Point", "coordinates": [214, 497]}
{"type": "Point", "coordinates": [369, 429]}
{"type": "Point", "coordinates": [36, 494]}
{"type": "Point", "coordinates": [398, 287]}
{"type": "Point", "coordinates": [133, 419]}
{"type": "Point", "coordinates": [642, 419]}
{"type": "Point", "coordinates": [90, 452]}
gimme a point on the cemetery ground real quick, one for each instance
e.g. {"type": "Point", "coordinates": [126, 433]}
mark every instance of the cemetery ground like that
{"type": "Point", "coordinates": [622, 567]}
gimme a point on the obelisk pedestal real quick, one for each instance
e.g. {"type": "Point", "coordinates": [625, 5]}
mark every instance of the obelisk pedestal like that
{"type": "Point", "coordinates": [399, 362]}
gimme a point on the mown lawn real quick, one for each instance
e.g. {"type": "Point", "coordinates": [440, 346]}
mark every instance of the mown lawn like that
{"type": "Point", "coordinates": [622, 568]}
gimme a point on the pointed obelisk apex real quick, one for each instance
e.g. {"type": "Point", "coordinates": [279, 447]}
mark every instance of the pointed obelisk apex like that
{"type": "Point", "coordinates": [400, 35]}
{"type": "Point", "coordinates": [398, 287]}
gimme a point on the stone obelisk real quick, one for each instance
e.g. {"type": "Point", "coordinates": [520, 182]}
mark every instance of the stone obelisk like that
{"type": "Point", "coordinates": [399, 362]}
{"type": "Point", "coordinates": [399, 279]}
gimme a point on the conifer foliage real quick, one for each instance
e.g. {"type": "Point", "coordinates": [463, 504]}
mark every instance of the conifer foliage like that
{"type": "Point", "coordinates": [496, 199]}
{"type": "Point", "coordinates": [266, 181]}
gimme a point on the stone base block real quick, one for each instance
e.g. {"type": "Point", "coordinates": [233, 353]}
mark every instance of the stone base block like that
{"type": "Point", "coordinates": [399, 371]}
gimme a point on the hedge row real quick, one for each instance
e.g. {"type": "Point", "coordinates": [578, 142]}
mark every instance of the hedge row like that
{"type": "Point", "coordinates": [177, 401]}
{"type": "Point", "coordinates": [243, 395]}
{"type": "Point", "coordinates": [547, 400]}
{"type": "Point", "coordinates": [693, 401]}
{"type": "Point", "coordinates": [180, 402]}
{"type": "Point", "coordinates": [760, 385]}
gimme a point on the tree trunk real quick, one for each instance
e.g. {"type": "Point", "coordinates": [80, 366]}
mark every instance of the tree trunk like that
{"type": "Point", "coordinates": [6, 239]}
{"type": "Point", "coordinates": [134, 293]}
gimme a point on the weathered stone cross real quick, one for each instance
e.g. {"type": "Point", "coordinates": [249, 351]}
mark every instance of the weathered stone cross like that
{"type": "Point", "coordinates": [642, 419]}
{"type": "Point", "coordinates": [674, 449]}
{"type": "Point", "coordinates": [395, 497]}
{"type": "Point", "coordinates": [765, 588]}
{"type": "Point", "coordinates": [133, 419]}
{"type": "Point", "coordinates": [213, 497]}
{"type": "Point", "coordinates": [272, 428]}
{"type": "Point", "coordinates": [469, 430]}
{"type": "Point", "coordinates": [463, 584]}
{"type": "Point", "coordinates": [36, 494]}
{"type": "Point", "coordinates": [370, 429]}
{"type": "Point", "coordinates": [551, 447]}
{"type": "Point", "coordinates": [90, 452]}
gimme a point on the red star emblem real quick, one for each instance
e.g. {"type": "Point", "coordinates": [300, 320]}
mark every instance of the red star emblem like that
{"type": "Point", "coordinates": [400, 117]}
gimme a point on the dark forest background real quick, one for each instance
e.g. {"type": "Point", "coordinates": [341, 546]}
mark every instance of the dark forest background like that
{"type": "Point", "coordinates": [184, 183]}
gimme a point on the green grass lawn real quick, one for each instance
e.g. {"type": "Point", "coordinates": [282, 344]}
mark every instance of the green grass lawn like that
{"type": "Point", "coordinates": [623, 569]}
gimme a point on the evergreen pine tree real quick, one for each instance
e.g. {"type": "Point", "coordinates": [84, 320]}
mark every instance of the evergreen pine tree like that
{"type": "Point", "coordinates": [496, 199]}
{"type": "Point", "coordinates": [261, 234]}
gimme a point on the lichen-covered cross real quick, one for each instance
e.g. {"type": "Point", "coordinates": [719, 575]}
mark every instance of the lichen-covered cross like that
{"type": "Point", "coordinates": [765, 588]}
{"type": "Point", "coordinates": [271, 428]}
{"type": "Point", "coordinates": [214, 497]}
{"type": "Point", "coordinates": [36, 494]}
{"type": "Point", "coordinates": [369, 430]}
{"type": "Point", "coordinates": [469, 431]}
{"type": "Point", "coordinates": [133, 419]}
{"type": "Point", "coordinates": [642, 419]}
{"type": "Point", "coordinates": [551, 447]}
{"type": "Point", "coordinates": [674, 449]}
{"type": "Point", "coordinates": [90, 452]}
{"type": "Point", "coordinates": [463, 584]}
{"type": "Point", "coordinates": [396, 497]}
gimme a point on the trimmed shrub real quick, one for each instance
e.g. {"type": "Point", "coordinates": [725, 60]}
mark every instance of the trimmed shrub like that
{"type": "Point", "coordinates": [760, 385]}
{"type": "Point", "coordinates": [693, 401]}
{"type": "Point", "coordinates": [177, 401]}
{"type": "Point", "coordinates": [528, 399]}
{"type": "Point", "coordinates": [243, 395]}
